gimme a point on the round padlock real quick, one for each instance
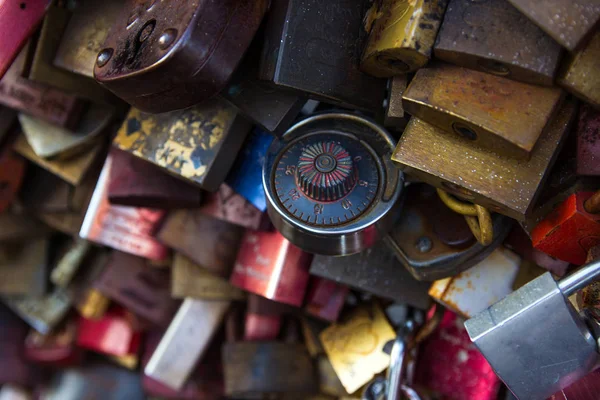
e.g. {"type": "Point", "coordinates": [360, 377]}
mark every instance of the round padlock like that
{"type": "Point", "coordinates": [330, 184]}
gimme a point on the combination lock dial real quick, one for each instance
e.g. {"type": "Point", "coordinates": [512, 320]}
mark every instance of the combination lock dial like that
{"type": "Point", "coordinates": [331, 187]}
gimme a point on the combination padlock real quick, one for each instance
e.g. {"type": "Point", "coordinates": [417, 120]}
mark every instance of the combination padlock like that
{"type": "Point", "coordinates": [534, 338]}
{"type": "Point", "coordinates": [331, 186]}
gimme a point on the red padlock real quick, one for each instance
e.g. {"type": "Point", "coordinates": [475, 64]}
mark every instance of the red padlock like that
{"type": "Point", "coordinates": [57, 349]}
{"type": "Point", "coordinates": [263, 319]}
{"type": "Point", "coordinates": [569, 231]}
{"type": "Point", "coordinates": [269, 265]}
{"type": "Point", "coordinates": [325, 299]}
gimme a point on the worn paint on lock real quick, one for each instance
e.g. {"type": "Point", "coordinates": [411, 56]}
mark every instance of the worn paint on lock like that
{"type": "Point", "coordinates": [43, 70]}
{"type": "Point", "coordinates": [72, 170]}
{"type": "Point", "coordinates": [19, 21]}
{"type": "Point", "coordinates": [491, 111]}
{"type": "Point", "coordinates": [588, 141]}
{"type": "Point", "coordinates": [355, 347]}
{"type": "Point", "coordinates": [185, 341]}
{"type": "Point", "coordinates": [504, 185]}
{"type": "Point", "coordinates": [24, 267]}
{"type": "Point", "coordinates": [402, 36]}
{"type": "Point", "coordinates": [198, 144]}
{"type": "Point", "coordinates": [494, 37]}
{"type": "Point", "coordinates": [144, 290]}
{"type": "Point", "coordinates": [395, 117]}
{"type": "Point", "coordinates": [479, 287]}
{"type": "Point", "coordinates": [313, 47]}
{"type": "Point", "coordinates": [269, 265]}
{"type": "Point", "coordinates": [84, 35]}
{"type": "Point", "coordinates": [42, 313]}
{"type": "Point", "coordinates": [568, 22]}
{"type": "Point", "coordinates": [128, 229]}
{"type": "Point", "coordinates": [36, 99]}
{"type": "Point", "coordinates": [229, 206]}
{"type": "Point", "coordinates": [192, 280]}
{"type": "Point", "coordinates": [162, 56]}
{"type": "Point", "coordinates": [579, 72]}
{"type": "Point", "coordinates": [217, 250]}
{"type": "Point", "coordinates": [12, 172]}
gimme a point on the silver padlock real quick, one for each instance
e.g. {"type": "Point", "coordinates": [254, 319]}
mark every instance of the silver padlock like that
{"type": "Point", "coordinates": [534, 338]}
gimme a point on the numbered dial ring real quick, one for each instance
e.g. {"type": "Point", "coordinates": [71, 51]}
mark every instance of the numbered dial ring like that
{"type": "Point", "coordinates": [328, 184]}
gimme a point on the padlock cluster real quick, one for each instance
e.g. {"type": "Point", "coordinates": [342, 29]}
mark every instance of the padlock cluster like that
{"type": "Point", "coordinates": [300, 199]}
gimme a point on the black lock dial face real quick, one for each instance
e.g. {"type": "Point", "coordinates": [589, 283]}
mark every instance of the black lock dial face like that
{"type": "Point", "coordinates": [326, 179]}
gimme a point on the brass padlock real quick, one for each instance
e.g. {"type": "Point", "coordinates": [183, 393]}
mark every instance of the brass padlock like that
{"type": "Point", "coordinates": [392, 280]}
{"type": "Point", "coordinates": [313, 47]}
{"type": "Point", "coordinates": [164, 56]}
{"type": "Point", "coordinates": [569, 23]}
{"type": "Point", "coordinates": [192, 280]}
{"type": "Point", "coordinates": [43, 51]}
{"type": "Point", "coordinates": [265, 368]}
{"type": "Point", "coordinates": [494, 37]}
{"type": "Point", "coordinates": [24, 268]}
{"type": "Point", "coordinates": [355, 347]}
{"type": "Point", "coordinates": [218, 248]}
{"type": "Point", "coordinates": [198, 144]}
{"type": "Point", "coordinates": [579, 72]}
{"type": "Point", "coordinates": [402, 36]}
{"type": "Point", "coordinates": [434, 242]}
{"type": "Point", "coordinates": [503, 185]}
{"type": "Point", "coordinates": [491, 111]}
{"type": "Point", "coordinates": [395, 117]}
{"type": "Point", "coordinates": [85, 34]}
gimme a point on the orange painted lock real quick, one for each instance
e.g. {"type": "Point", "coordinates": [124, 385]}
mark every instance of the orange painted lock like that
{"type": "Point", "coordinates": [573, 228]}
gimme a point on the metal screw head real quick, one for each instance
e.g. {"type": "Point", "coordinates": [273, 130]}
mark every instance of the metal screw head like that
{"type": "Point", "coordinates": [167, 38]}
{"type": "Point", "coordinates": [424, 244]}
{"type": "Point", "coordinates": [103, 57]}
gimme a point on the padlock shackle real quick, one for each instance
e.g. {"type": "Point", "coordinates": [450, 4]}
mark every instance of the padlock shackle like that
{"type": "Point", "coordinates": [580, 278]}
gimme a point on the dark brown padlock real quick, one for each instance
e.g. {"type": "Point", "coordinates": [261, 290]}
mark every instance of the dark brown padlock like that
{"type": "Point", "coordinates": [44, 192]}
{"type": "Point", "coordinates": [24, 268]}
{"type": "Point", "coordinates": [252, 368]}
{"type": "Point", "coordinates": [568, 22]}
{"type": "Point", "coordinates": [588, 141]}
{"type": "Point", "coordinates": [392, 281]}
{"type": "Point", "coordinates": [494, 37]}
{"type": "Point", "coordinates": [163, 56]}
{"type": "Point", "coordinates": [146, 291]}
{"type": "Point", "coordinates": [314, 47]}
{"type": "Point", "coordinates": [12, 172]}
{"type": "Point", "coordinates": [434, 242]}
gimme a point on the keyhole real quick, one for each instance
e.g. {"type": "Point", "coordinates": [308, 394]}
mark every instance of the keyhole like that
{"type": "Point", "coordinates": [143, 35]}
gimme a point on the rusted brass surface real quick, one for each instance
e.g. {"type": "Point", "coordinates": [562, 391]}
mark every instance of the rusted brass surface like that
{"type": "Point", "coordinates": [84, 35]}
{"type": "Point", "coordinates": [494, 37]}
{"type": "Point", "coordinates": [198, 144]}
{"type": "Point", "coordinates": [580, 72]}
{"type": "Point", "coordinates": [395, 117]}
{"type": "Point", "coordinates": [567, 21]}
{"type": "Point", "coordinates": [454, 164]}
{"type": "Point", "coordinates": [493, 112]}
{"type": "Point", "coordinates": [71, 170]}
{"type": "Point", "coordinates": [44, 71]}
{"type": "Point", "coordinates": [402, 36]}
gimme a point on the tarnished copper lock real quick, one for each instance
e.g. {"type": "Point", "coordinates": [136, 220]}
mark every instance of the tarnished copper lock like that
{"type": "Point", "coordinates": [453, 163]}
{"type": "Point", "coordinates": [402, 36]}
{"type": "Point", "coordinates": [494, 37]}
{"type": "Point", "coordinates": [198, 144]}
{"type": "Point", "coordinates": [85, 34]}
{"type": "Point", "coordinates": [138, 183]}
{"type": "Point", "coordinates": [164, 56]}
{"type": "Point", "coordinates": [567, 22]}
{"type": "Point", "coordinates": [579, 72]}
{"type": "Point", "coordinates": [19, 21]}
{"type": "Point", "coordinates": [433, 242]}
{"type": "Point", "coordinates": [128, 229]}
{"type": "Point", "coordinates": [313, 47]}
{"type": "Point", "coordinates": [144, 290]}
{"type": "Point", "coordinates": [491, 111]}
{"type": "Point", "coordinates": [217, 250]}
{"type": "Point", "coordinates": [392, 280]}
{"type": "Point", "coordinates": [588, 141]}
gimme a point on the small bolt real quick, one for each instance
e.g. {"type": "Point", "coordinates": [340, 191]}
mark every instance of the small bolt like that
{"type": "Point", "coordinates": [424, 244]}
{"type": "Point", "coordinates": [104, 56]}
{"type": "Point", "coordinates": [167, 38]}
